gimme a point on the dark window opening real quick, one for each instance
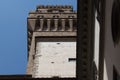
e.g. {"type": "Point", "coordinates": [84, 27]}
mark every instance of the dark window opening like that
{"type": "Point", "coordinates": [49, 10]}
{"type": "Point", "coordinates": [67, 25]}
{"type": "Point", "coordinates": [61, 10]}
{"type": "Point", "coordinates": [72, 59]}
{"type": "Point", "coordinates": [52, 25]}
{"type": "Point", "coordinates": [37, 24]}
{"type": "Point", "coordinates": [115, 22]}
{"type": "Point", "coordinates": [45, 25]}
{"type": "Point", "coordinates": [116, 76]}
{"type": "Point", "coordinates": [59, 25]}
{"type": "Point", "coordinates": [74, 24]}
{"type": "Point", "coordinates": [55, 77]}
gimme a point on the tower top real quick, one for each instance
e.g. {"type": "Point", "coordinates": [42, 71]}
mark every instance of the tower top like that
{"type": "Point", "coordinates": [54, 8]}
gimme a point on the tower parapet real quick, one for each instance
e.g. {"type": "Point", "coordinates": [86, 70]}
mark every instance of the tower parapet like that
{"type": "Point", "coordinates": [59, 8]}
{"type": "Point", "coordinates": [53, 18]}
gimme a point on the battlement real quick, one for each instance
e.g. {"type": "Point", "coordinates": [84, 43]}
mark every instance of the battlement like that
{"type": "Point", "coordinates": [51, 8]}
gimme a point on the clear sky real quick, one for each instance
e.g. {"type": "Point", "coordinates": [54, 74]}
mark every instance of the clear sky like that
{"type": "Point", "coordinates": [13, 30]}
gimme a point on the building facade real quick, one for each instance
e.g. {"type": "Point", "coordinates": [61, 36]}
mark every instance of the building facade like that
{"type": "Point", "coordinates": [112, 40]}
{"type": "Point", "coordinates": [106, 14]}
{"type": "Point", "coordinates": [52, 42]}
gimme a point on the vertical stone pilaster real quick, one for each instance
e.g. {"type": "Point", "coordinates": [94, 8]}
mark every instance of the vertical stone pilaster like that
{"type": "Point", "coordinates": [48, 24]}
{"type": "Point", "coordinates": [63, 24]}
{"type": "Point", "coordinates": [41, 24]}
{"type": "Point", "coordinates": [29, 34]}
{"type": "Point", "coordinates": [71, 24]}
{"type": "Point", "coordinates": [56, 24]}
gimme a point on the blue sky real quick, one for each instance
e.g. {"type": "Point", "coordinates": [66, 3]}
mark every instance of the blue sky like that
{"type": "Point", "coordinates": [13, 30]}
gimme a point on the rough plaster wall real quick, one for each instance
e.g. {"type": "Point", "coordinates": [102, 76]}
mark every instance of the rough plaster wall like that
{"type": "Point", "coordinates": [112, 53]}
{"type": "Point", "coordinates": [53, 59]}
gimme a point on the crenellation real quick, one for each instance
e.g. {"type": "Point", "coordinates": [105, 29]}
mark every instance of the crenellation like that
{"type": "Point", "coordinates": [49, 8]}
{"type": "Point", "coordinates": [54, 7]}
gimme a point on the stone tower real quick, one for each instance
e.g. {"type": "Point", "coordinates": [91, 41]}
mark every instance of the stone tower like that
{"type": "Point", "coordinates": [52, 42]}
